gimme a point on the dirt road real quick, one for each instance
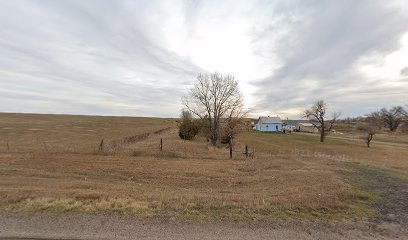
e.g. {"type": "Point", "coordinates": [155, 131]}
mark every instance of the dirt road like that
{"type": "Point", "coordinates": [87, 226]}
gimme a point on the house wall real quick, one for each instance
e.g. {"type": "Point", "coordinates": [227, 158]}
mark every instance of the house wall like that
{"type": "Point", "coordinates": [271, 127]}
{"type": "Point", "coordinates": [256, 127]}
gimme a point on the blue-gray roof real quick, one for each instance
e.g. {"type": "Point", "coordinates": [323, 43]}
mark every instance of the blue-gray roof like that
{"type": "Point", "coordinates": [269, 120]}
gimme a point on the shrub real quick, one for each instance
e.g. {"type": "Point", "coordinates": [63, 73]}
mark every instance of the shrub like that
{"type": "Point", "coordinates": [188, 129]}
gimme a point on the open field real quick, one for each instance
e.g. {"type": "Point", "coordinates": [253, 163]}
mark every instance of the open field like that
{"type": "Point", "coordinates": [52, 164]}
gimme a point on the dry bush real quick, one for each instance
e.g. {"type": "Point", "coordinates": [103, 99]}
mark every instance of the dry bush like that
{"type": "Point", "coordinates": [368, 132]}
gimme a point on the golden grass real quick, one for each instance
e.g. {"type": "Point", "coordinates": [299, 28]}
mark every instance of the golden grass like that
{"type": "Point", "coordinates": [290, 176]}
{"type": "Point", "coordinates": [67, 133]}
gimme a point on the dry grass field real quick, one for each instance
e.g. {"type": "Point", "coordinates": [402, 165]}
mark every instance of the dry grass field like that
{"type": "Point", "coordinates": [52, 163]}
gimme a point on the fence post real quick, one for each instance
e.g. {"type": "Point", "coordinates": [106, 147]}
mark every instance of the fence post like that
{"type": "Point", "coordinates": [101, 146]}
{"type": "Point", "coordinates": [246, 150]}
{"type": "Point", "coordinates": [230, 147]}
{"type": "Point", "coordinates": [161, 144]}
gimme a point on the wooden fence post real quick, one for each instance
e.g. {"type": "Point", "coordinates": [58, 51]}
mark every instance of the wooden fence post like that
{"type": "Point", "coordinates": [100, 146]}
{"type": "Point", "coordinates": [161, 144]}
{"type": "Point", "coordinates": [246, 150]}
{"type": "Point", "coordinates": [230, 147]}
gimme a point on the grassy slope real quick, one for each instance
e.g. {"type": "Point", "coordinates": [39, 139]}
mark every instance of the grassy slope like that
{"type": "Point", "coordinates": [290, 176]}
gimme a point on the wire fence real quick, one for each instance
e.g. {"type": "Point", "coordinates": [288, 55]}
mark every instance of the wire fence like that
{"type": "Point", "coordinates": [151, 143]}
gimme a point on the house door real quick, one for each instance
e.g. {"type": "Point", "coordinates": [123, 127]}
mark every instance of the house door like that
{"type": "Point", "coordinates": [276, 127]}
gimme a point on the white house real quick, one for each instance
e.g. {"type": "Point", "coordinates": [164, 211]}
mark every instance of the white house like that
{"type": "Point", "coordinates": [269, 124]}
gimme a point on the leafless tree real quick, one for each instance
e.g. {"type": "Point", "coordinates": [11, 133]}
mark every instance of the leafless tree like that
{"type": "Point", "coordinates": [405, 112]}
{"type": "Point", "coordinates": [214, 98]}
{"type": "Point", "coordinates": [393, 117]}
{"type": "Point", "coordinates": [369, 131]}
{"type": "Point", "coordinates": [234, 122]}
{"type": "Point", "coordinates": [317, 115]}
{"type": "Point", "coordinates": [186, 115]}
{"type": "Point", "coordinates": [375, 119]}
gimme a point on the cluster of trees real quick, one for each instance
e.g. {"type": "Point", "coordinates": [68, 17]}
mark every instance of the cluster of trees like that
{"type": "Point", "coordinates": [217, 102]}
{"type": "Point", "coordinates": [390, 118]}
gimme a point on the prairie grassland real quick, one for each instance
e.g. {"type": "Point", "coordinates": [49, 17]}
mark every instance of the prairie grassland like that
{"type": "Point", "coordinates": [65, 133]}
{"type": "Point", "coordinates": [290, 175]}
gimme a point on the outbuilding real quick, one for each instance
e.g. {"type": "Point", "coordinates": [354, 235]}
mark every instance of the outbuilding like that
{"type": "Point", "coordinates": [307, 127]}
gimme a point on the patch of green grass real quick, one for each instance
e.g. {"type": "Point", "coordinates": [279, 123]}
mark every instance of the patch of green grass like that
{"type": "Point", "coordinates": [351, 211]}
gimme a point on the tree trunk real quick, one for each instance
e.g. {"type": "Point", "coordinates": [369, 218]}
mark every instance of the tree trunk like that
{"type": "Point", "coordinates": [213, 141]}
{"type": "Point", "coordinates": [322, 135]}
{"type": "Point", "coordinates": [214, 133]}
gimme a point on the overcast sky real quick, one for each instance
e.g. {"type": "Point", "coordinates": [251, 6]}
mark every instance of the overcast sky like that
{"type": "Point", "coordinates": [139, 58]}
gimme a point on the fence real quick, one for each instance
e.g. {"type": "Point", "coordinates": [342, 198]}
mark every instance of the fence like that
{"type": "Point", "coordinates": [146, 144]}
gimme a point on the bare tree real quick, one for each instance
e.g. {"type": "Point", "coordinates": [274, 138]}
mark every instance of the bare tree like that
{"type": "Point", "coordinates": [186, 115]}
{"type": "Point", "coordinates": [375, 119]}
{"type": "Point", "coordinates": [213, 98]}
{"type": "Point", "coordinates": [393, 117]}
{"type": "Point", "coordinates": [369, 132]}
{"type": "Point", "coordinates": [233, 123]}
{"type": "Point", "coordinates": [405, 112]}
{"type": "Point", "coordinates": [317, 115]}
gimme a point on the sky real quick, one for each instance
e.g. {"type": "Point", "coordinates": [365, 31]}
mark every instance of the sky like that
{"type": "Point", "coordinates": [138, 58]}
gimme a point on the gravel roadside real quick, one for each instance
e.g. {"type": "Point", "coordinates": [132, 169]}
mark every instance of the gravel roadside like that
{"type": "Point", "coordinates": [98, 226]}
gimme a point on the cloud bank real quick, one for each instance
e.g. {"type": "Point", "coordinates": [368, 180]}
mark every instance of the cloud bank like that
{"type": "Point", "coordinates": [139, 57]}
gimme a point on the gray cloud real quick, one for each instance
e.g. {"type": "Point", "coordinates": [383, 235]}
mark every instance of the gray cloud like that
{"type": "Point", "coordinates": [320, 50]}
{"type": "Point", "coordinates": [112, 57]}
{"type": "Point", "coordinates": [88, 58]}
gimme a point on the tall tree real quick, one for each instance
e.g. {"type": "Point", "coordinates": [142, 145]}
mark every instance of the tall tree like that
{"type": "Point", "coordinates": [213, 98]}
{"type": "Point", "coordinates": [317, 115]}
{"type": "Point", "coordinates": [393, 117]}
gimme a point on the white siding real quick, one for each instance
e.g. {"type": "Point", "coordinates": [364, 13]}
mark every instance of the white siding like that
{"type": "Point", "coordinates": [271, 127]}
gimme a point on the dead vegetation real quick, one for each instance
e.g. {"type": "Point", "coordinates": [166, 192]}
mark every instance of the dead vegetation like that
{"type": "Point", "coordinates": [290, 175]}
